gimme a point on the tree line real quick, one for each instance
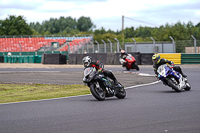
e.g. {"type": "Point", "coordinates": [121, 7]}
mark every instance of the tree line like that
{"type": "Point", "coordinates": [17, 25]}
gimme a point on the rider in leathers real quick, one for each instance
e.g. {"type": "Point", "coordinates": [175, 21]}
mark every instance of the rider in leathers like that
{"type": "Point", "coordinates": [157, 61]}
{"type": "Point", "coordinates": [87, 61]}
{"type": "Point", "coordinates": [122, 57]}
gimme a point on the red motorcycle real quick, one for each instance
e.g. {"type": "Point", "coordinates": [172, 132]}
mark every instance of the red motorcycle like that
{"type": "Point", "coordinates": [129, 63]}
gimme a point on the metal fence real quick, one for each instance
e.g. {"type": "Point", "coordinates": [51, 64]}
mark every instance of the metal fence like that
{"type": "Point", "coordinates": [164, 47]}
{"type": "Point", "coordinates": [188, 46]}
{"type": "Point", "coordinates": [95, 48]}
{"type": "Point", "coordinates": [184, 46]}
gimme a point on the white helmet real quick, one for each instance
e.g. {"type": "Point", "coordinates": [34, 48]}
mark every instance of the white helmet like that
{"type": "Point", "coordinates": [86, 61]}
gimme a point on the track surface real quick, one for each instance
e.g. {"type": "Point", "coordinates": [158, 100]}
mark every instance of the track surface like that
{"type": "Point", "coordinates": [152, 109]}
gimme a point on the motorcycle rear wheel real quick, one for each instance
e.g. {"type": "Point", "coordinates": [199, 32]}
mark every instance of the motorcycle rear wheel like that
{"type": "Point", "coordinates": [174, 85]}
{"type": "Point", "coordinates": [98, 93]}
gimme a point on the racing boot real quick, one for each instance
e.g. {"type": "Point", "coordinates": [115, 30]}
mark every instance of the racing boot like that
{"type": "Point", "coordinates": [178, 69]}
{"type": "Point", "coordinates": [183, 75]}
{"type": "Point", "coordinates": [118, 85]}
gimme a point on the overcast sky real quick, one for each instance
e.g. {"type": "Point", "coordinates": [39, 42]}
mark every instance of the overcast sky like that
{"type": "Point", "coordinates": [106, 13]}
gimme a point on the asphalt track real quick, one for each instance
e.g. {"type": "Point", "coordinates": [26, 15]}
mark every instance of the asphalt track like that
{"type": "Point", "coordinates": [151, 108]}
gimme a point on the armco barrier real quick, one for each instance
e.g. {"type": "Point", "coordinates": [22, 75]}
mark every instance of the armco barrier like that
{"type": "Point", "coordinates": [190, 58]}
{"type": "Point", "coordinates": [175, 57]}
{"type": "Point", "coordinates": [110, 58]}
{"type": "Point", "coordinates": [53, 59]}
{"type": "Point", "coordinates": [146, 58]}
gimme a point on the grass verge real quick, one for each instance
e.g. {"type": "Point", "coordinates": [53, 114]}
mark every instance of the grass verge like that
{"type": "Point", "coordinates": [27, 92]}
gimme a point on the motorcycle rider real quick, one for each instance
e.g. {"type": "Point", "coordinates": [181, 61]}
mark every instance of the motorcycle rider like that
{"type": "Point", "coordinates": [87, 62]}
{"type": "Point", "coordinates": [123, 56]}
{"type": "Point", "coordinates": [157, 61]}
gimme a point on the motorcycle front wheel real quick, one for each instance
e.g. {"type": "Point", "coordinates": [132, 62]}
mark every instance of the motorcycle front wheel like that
{"type": "Point", "coordinates": [188, 86]}
{"type": "Point", "coordinates": [97, 92]}
{"type": "Point", "coordinates": [134, 65]}
{"type": "Point", "coordinates": [121, 93]}
{"type": "Point", "coordinates": [174, 85]}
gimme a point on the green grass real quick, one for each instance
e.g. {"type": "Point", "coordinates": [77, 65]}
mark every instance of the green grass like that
{"type": "Point", "coordinates": [27, 92]}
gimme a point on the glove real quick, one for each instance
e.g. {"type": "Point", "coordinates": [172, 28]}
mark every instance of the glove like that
{"type": "Point", "coordinates": [100, 71]}
{"type": "Point", "coordinates": [172, 66]}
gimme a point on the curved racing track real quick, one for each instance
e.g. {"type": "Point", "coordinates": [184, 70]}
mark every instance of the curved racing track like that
{"type": "Point", "coordinates": [152, 108]}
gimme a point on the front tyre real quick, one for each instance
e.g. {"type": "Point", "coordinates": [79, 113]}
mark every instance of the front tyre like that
{"type": "Point", "coordinates": [97, 92]}
{"type": "Point", "coordinates": [174, 85]}
{"type": "Point", "coordinates": [134, 65]}
{"type": "Point", "coordinates": [188, 86]}
{"type": "Point", "coordinates": [127, 68]}
{"type": "Point", "coordinates": [121, 92]}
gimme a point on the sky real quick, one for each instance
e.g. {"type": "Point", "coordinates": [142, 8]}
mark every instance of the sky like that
{"type": "Point", "coordinates": [106, 13]}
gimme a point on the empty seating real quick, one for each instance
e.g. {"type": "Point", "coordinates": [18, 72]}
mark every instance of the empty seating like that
{"type": "Point", "coordinates": [34, 44]}
{"type": "Point", "coordinates": [26, 44]}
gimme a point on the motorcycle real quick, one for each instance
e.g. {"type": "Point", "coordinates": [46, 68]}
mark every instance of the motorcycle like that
{"type": "Point", "coordinates": [173, 78]}
{"type": "Point", "coordinates": [130, 63]}
{"type": "Point", "coordinates": [102, 86]}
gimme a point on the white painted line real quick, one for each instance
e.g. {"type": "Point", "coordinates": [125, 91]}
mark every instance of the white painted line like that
{"type": "Point", "coordinates": [145, 74]}
{"type": "Point", "coordinates": [76, 96]}
{"type": "Point", "coordinates": [136, 73]}
{"type": "Point", "coordinates": [143, 85]}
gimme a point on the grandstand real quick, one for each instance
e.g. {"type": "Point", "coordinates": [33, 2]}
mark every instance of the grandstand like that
{"type": "Point", "coordinates": [75, 45]}
{"type": "Point", "coordinates": [37, 43]}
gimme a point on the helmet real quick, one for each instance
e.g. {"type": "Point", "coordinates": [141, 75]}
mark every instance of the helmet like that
{"type": "Point", "coordinates": [156, 58]}
{"type": "Point", "coordinates": [86, 61]}
{"type": "Point", "coordinates": [123, 52]}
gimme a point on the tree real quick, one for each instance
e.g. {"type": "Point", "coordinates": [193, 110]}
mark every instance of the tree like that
{"type": "Point", "coordinates": [15, 26]}
{"type": "Point", "coordinates": [198, 25]}
{"type": "Point", "coordinates": [85, 24]}
{"type": "Point", "coordinates": [129, 32]}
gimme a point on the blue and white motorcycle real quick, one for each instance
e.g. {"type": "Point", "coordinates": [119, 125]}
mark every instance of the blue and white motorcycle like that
{"type": "Point", "coordinates": [173, 78]}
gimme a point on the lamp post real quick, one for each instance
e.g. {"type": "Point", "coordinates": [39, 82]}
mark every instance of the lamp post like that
{"type": "Point", "coordinates": [172, 43]}
{"type": "Point", "coordinates": [97, 44]}
{"type": "Point", "coordinates": [153, 44]}
{"type": "Point", "coordinates": [122, 31]}
{"type": "Point", "coordinates": [135, 44]}
{"type": "Point", "coordinates": [104, 45]}
{"type": "Point", "coordinates": [195, 43]}
{"type": "Point", "coordinates": [92, 46]}
{"type": "Point", "coordinates": [117, 45]}
{"type": "Point", "coordinates": [110, 45]}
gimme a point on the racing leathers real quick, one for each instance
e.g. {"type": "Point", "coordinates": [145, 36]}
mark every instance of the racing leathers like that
{"type": "Point", "coordinates": [165, 61]}
{"type": "Point", "coordinates": [100, 68]}
{"type": "Point", "coordinates": [122, 58]}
